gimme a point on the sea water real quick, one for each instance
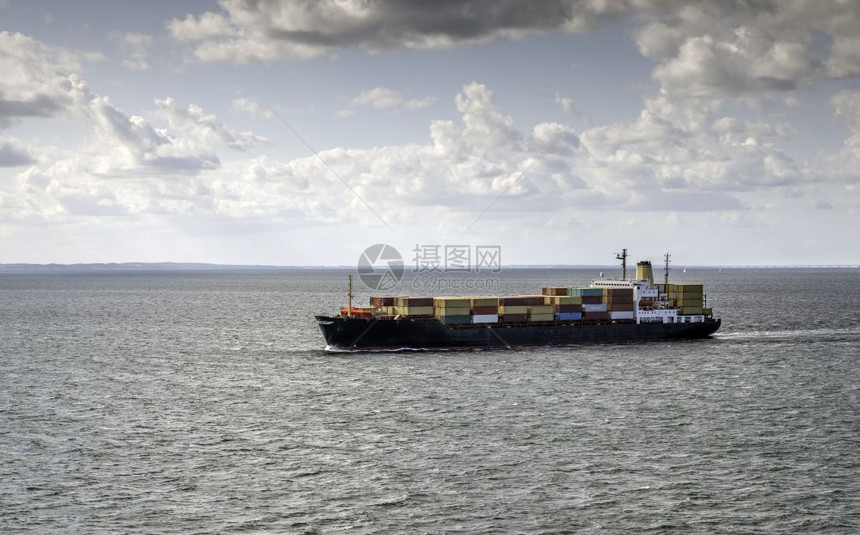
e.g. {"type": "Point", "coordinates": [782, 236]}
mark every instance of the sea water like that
{"type": "Point", "coordinates": [190, 402]}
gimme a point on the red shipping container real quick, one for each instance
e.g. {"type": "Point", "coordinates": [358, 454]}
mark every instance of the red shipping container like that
{"type": "Point", "coordinates": [522, 300]}
{"type": "Point", "coordinates": [485, 310]}
{"type": "Point", "coordinates": [416, 301]}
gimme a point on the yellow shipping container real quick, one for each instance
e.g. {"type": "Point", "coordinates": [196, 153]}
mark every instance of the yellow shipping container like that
{"type": "Point", "coordinates": [542, 317]}
{"type": "Point", "coordinates": [563, 300]}
{"type": "Point", "coordinates": [513, 309]}
{"type": "Point", "coordinates": [691, 310]}
{"type": "Point", "coordinates": [544, 309]}
{"type": "Point", "coordinates": [686, 287]}
{"type": "Point", "coordinates": [484, 301]}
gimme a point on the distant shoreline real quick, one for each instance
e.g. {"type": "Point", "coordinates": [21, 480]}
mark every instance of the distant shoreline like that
{"type": "Point", "coordinates": [200, 267]}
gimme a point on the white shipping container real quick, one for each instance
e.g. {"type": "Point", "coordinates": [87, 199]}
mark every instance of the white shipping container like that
{"type": "Point", "coordinates": [485, 318]}
{"type": "Point", "coordinates": [594, 308]}
{"type": "Point", "coordinates": [621, 315]}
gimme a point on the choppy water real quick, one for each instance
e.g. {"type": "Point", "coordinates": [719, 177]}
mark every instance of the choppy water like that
{"type": "Point", "coordinates": [189, 403]}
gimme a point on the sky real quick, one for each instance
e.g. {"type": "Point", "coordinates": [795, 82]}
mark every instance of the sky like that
{"type": "Point", "coordinates": [301, 133]}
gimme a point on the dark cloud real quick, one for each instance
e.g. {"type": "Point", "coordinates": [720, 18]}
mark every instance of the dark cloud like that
{"type": "Point", "coordinates": [14, 156]}
{"type": "Point", "coordinates": [391, 23]}
{"type": "Point", "coordinates": [271, 29]}
{"type": "Point", "coordinates": [38, 106]}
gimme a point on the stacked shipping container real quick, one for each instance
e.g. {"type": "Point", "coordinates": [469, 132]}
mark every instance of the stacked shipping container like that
{"type": "Point", "coordinates": [689, 298]}
{"type": "Point", "coordinates": [452, 310]}
{"type": "Point", "coordinates": [565, 307]}
{"type": "Point", "coordinates": [593, 307]}
{"type": "Point", "coordinates": [619, 303]}
{"type": "Point", "coordinates": [484, 309]}
{"type": "Point", "coordinates": [555, 304]}
{"type": "Point", "coordinates": [414, 306]}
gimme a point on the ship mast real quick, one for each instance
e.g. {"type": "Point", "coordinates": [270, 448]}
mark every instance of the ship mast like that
{"type": "Point", "coordinates": [623, 257]}
{"type": "Point", "coordinates": [666, 272]}
{"type": "Point", "coordinates": [349, 299]}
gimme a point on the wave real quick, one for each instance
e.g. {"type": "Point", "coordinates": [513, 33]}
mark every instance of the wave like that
{"type": "Point", "coordinates": [837, 334]}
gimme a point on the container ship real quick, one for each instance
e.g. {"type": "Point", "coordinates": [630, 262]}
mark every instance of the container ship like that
{"type": "Point", "coordinates": [608, 310]}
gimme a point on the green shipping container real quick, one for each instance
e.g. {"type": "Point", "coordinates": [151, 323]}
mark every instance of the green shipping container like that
{"type": "Point", "coordinates": [455, 320]}
{"type": "Point", "coordinates": [414, 311]}
{"type": "Point", "coordinates": [461, 311]}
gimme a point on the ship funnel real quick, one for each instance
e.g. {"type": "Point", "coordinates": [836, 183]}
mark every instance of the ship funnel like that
{"type": "Point", "coordinates": [644, 273]}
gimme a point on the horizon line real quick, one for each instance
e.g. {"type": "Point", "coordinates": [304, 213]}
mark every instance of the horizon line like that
{"type": "Point", "coordinates": [205, 265]}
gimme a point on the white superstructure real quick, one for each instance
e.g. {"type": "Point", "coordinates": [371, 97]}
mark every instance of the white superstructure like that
{"type": "Point", "coordinates": [649, 305]}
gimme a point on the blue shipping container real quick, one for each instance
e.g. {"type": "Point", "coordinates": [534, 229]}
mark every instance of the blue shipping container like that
{"type": "Point", "coordinates": [568, 316]}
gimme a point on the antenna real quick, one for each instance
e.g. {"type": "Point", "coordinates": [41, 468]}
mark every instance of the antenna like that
{"type": "Point", "coordinates": [349, 299]}
{"type": "Point", "coordinates": [666, 273]}
{"type": "Point", "coordinates": [623, 257]}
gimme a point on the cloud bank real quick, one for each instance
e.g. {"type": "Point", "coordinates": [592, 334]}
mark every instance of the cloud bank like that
{"type": "Point", "coordinates": [688, 150]}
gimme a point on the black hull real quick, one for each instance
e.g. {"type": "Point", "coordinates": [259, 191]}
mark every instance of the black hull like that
{"type": "Point", "coordinates": [369, 334]}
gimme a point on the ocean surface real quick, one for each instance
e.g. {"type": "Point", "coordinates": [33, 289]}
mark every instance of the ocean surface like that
{"type": "Point", "coordinates": [201, 402]}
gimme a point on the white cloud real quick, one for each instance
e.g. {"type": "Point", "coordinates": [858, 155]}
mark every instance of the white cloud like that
{"type": "Point", "coordinates": [845, 164]}
{"type": "Point", "coordinates": [384, 98]}
{"type": "Point", "coordinates": [136, 46]}
{"type": "Point", "coordinates": [720, 50]}
{"type": "Point", "coordinates": [36, 80]}
{"type": "Point", "coordinates": [193, 123]}
{"type": "Point", "coordinates": [127, 167]}
{"type": "Point", "coordinates": [131, 146]}
{"type": "Point", "coordinates": [847, 107]}
{"type": "Point", "coordinates": [750, 61]}
{"type": "Point", "coordinates": [208, 26]}
{"type": "Point", "coordinates": [697, 168]}
{"type": "Point", "coordinates": [251, 107]}
{"type": "Point", "coordinates": [564, 103]}
{"type": "Point", "coordinates": [474, 160]}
